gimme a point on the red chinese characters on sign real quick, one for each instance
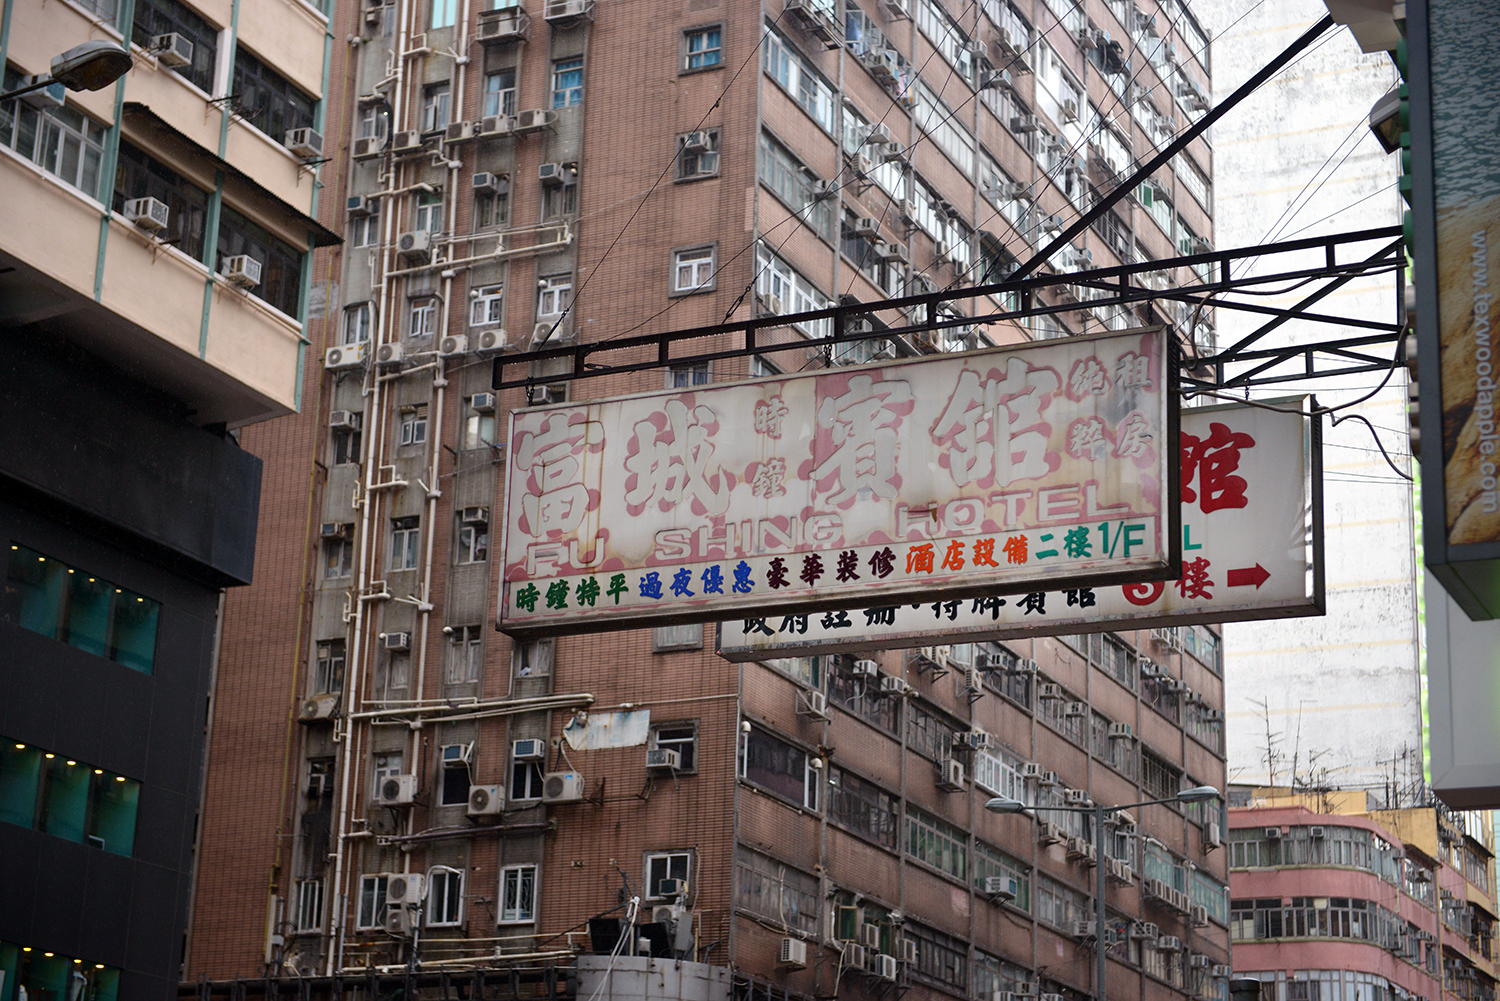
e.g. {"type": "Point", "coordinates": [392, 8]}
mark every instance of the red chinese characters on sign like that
{"type": "Point", "coordinates": [671, 460]}
{"type": "Point", "coordinates": [993, 431]}
{"type": "Point", "coordinates": [555, 501]}
{"type": "Point", "coordinates": [1214, 460]}
{"type": "Point", "coordinates": [863, 424]}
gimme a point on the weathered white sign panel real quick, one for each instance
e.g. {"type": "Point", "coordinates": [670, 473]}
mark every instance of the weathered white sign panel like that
{"type": "Point", "coordinates": [1001, 470]}
{"type": "Point", "coordinates": [1252, 531]}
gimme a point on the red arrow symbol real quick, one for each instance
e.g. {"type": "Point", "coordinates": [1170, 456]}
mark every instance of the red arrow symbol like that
{"type": "Point", "coordinates": [1256, 575]}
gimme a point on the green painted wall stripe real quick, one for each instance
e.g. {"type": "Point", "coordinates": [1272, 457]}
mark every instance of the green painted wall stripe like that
{"type": "Point", "coordinates": [210, 252]}
{"type": "Point", "coordinates": [111, 158]}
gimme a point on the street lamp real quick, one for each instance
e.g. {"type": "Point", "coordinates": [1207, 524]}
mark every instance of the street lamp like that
{"type": "Point", "coordinates": [90, 66]}
{"type": "Point", "coordinates": [1004, 804]}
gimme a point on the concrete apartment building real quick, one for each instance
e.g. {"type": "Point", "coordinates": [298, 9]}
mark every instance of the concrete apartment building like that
{"type": "Point", "coordinates": [397, 790]}
{"type": "Point", "coordinates": [154, 265]}
{"type": "Point", "coordinates": [1336, 899]}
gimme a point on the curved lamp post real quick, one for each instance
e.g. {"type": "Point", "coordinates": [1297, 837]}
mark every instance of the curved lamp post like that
{"type": "Point", "coordinates": [90, 66]}
{"type": "Point", "coordinates": [1100, 812]}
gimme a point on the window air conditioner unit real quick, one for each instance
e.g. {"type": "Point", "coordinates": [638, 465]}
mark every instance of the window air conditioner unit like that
{"type": "Point", "coordinates": [812, 703]}
{"type": "Point", "coordinates": [1144, 930]}
{"type": "Point", "coordinates": [697, 142]}
{"type": "Point", "coordinates": [1048, 691]}
{"type": "Point", "coordinates": [822, 190]}
{"type": "Point", "coordinates": [1048, 779]}
{"type": "Point", "coordinates": [1001, 887]}
{"type": "Point", "coordinates": [1076, 709]}
{"type": "Point", "coordinates": [1031, 770]}
{"type": "Point", "coordinates": [396, 641]}
{"type": "Point", "coordinates": [977, 740]}
{"type": "Point", "coordinates": [368, 147]}
{"type": "Point", "coordinates": [555, 393]}
{"type": "Point", "coordinates": [172, 50]}
{"type": "Point", "coordinates": [951, 775]}
{"type": "Point", "coordinates": [885, 967]}
{"type": "Point", "coordinates": [1120, 731]}
{"type": "Point", "coordinates": [1199, 918]}
{"type": "Point", "coordinates": [891, 685]}
{"type": "Point", "coordinates": [492, 340]}
{"type": "Point", "coordinates": [1023, 665]}
{"type": "Point", "coordinates": [498, 25]}
{"type": "Point", "coordinates": [529, 749]}
{"type": "Point", "coordinates": [453, 346]}
{"type": "Point", "coordinates": [553, 174]}
{"type": "Point", "coordinates": [877, 133]}
{"type": "Point", "coordinates": [332, 529]}
{"type": "Point", "coordinates": [672, 889]}
{"type": "Point", "coordinates": [869, 936]}
{"type": "Point", "coordinates": [1083, 929]}
{"type": "Point", "coordinates": [482, 403]}
{"type": "Point", "coordinates": [1219, 971]}
{"type": "Point", "coordinates": [1315, 832]}
{"type": "Point", "coordinates": [494, 126]}
{"type": "Point", "coordinates": [1169, 943]}
{"type": "Point", "coordinates": [486, 801]}
{"type": "Point", "coordinates": [149, 214]}
{"type": "Point", "coordinates": [360, 205]}
{"type": "Point", "coordinates": [458, 132]}
{"type": "Point", "coordinates": [409, 141]}
{"type": "Point", "coordinates": [344, 356]}
{"type": "Point", "coordinates": [241, 270]}
{"type": "Point", "coordinates": [403, 888]}
{"type": "Point", "coordinates": [906, 950]}
{"type": "Point", "coordinates": [867, 227]}
{"type": "Point", "coordinates": [1075, 797]}
{"type": "Point", "coordinates": [1213, 836]}
{"type": "Point", "coordinates": [662, 759]}
{"type": "Point", "coordinates": [854, 956]}
{"type": "Point", "coordinates": [1050, 834]}
{"type": "Point", "coordinates": [389, 355]}
{"type": "Point", "coordinates": [1023, 123]}
{"type": "Point", "coordinates": [47, 95]}
{"type": "Point", "coordinates": [306, 143]}
{"type": "Point", "coordinates": [396, 790]}
{"type": "Point", "coordinates": [891, 252]}
{"type": "Point", "coordinates": [1069, 112]}
{"type": "Point", "coordinates": [562, 787]}
{"type": "Point", "coordinates": [793, 953]}
{"type": "Point", "coordinates": [474, 515]}
{"type": "Point", "coordinates": [486, 183]}
{"type": "Point", "coordinates": [537, 118]}
{"type": "Point", "coordinates": [889, 153]}
{"type": "Point", "coordinates": [1273, 833]}
{"type": "Point", "coordinates": [865, 669]}
{"type": "Point", "coordinates": [415, 247]}
{"type": "Point", "coordinates": [319, 709]}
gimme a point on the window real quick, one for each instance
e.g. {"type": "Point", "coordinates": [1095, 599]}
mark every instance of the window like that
{"type": "Point", "coordinates": [787, 67]}
{"type": "Point", "coordinates": [346, 445]}
{"type": "Point", "coordinates": [465, 654]}
{"type": "Point", "coordinates": [138, 176]}
{"type": "Point", "coordinates": [561, 199]}
{"type": "Point", "coordinates": [67, 798]}
{"type": "Point", "coordinates": [990, 861]}
{"type": "Point", "coordinates": [405, 533]}
{"type": "Point", "coordinates": [371, 902]}
{"type": "Point", "coordinates": [702, 48]}
{"type": "Point", "coordinates": [567, 82]}
{"type": "Point", "coordinates": [778, 767]}
{"type": "Point", "coordinates": [492, 208]}
{"type": "Point", "coordinates": [413, 425]}
{"type": "Point", "coordinates": [1159, 779]}
{"type": "Point", "coordinates": [933, 840]}
{"type": "Point", "coordinates": [552, 295]}
{"type": "Point", "coordinates": [662, 866]}
{"type": "Point", "coordinates": [267, 100]}
{"type": "Point", "coordinates": [693, 270]}
{"type": "Point", "coordinates": [684, 637]}
{"type": "Point", "coordinates": [359, 322]}
{"type": "Point", "coordinates": [526, 780]}
{"type": "Point", "coordinates": [701, 159]}
{"type": "Point", "coordinates": [68, 604]}
{"type": "Point", "coordinates": [453, 782]}
{"type": "Point", "coordinates": [427, 215]}
{"type": "Point", "coordinates": [679, 737]}
{"type": "Point", "coordinates": [64, 143]}
{"type": "Point", "coordinates": [364, 230]}
{"type": "Point", "coordinates": [436, 98]}
{"type": "Point", "coordinates": [533, 659]}
{"type": "Point", "coordinates": [394, 675]}
{"type": "Point", "coordinates": [473, 542]}
{"type": "Point", "coordinates": [940, 957]}
{"type": "Point", "coordinates": [487, 305]}
{"type": "Point", "coordinates": [783, 290]}
{"type": "Point", "coordinates": [338, 553]}
{"type": "Point", "coordinates": [421, 319]}
{"type": "Point", "coordinates": [794, 184]}
{"type": "Point", "coordinates": [518, 894]}
{"type": "Point", "coordinates": [374, 121]}
{"type": "Point", "coordinates": [280, 262]}
{"type": "Point", "coordinates": [863, 807]}
{"type": "Point", "coordinates": [328, 675]}
{"type": "Point", "coordinates": [163, 17]}
{"type": "Point", "coordinates": [319, 781]}
{"type": "Point", "coordinates": [500, 93]}
{"type": "Point", "coordinates": [777, 892]}
{"type": "Point", "coordinates": [444, 13]}
{"type": "Point", "coordinates": [445, 898]}
{"type": "Point", "coordinates": [478, 432]}
{"type": "Point", "coordinates": [309, 915]}
{"type": "Point", "coordinates": [384, 765]}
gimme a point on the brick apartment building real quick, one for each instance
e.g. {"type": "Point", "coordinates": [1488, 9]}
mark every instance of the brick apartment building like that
{"type": "Point", "coordinates": [396, 789]}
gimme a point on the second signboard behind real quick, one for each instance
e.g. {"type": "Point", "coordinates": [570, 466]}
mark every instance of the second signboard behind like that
{"type": "Point", "coordinates": [1036, 466]}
